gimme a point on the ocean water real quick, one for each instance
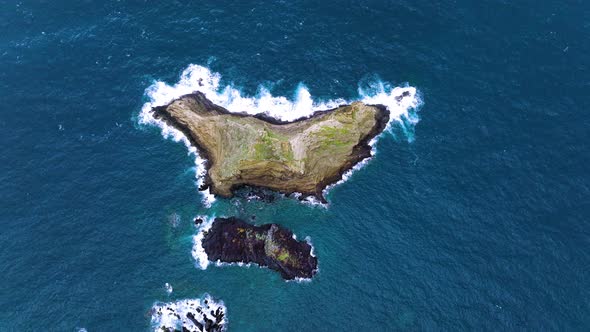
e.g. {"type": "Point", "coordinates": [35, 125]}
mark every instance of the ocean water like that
{"type": "Point", "coordinates": [473, 214]}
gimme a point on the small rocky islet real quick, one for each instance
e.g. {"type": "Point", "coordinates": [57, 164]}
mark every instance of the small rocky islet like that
{"type": "Point", "coordinates": [232, 240]}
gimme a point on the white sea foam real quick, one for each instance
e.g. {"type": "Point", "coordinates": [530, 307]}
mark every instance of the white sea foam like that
{"type": "Point", "coordinates": [312, 251]}
{"type": "Point", "coordinates": [402, 102]}
{"type": "Point", "coordinates": [168, 288]}
{"type": "Point", "coordinates": [198, 252]}
{"type": "Point", "coordinates": [173, 315]}
{"type": "Point", "coordinates": [300, 280]}
{"type": "Point", "coordinates": [146, 118]}
{"type": "Point", "coordinates": [219, 263]}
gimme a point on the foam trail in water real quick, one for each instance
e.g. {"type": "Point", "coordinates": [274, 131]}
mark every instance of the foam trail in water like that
{"type": "Point", "coordinates": [400, 101]}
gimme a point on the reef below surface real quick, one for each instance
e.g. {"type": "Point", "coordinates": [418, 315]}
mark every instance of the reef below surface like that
{"type": "Point", "coordinates": [232, 240]}
{"type": "Point", "coordinates": [302, 156]}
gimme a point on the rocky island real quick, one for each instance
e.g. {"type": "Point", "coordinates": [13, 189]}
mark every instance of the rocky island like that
{"type": "Point", "coordinates": [303, 156]}
{"type": "Point", "coordinates": [232, 240]}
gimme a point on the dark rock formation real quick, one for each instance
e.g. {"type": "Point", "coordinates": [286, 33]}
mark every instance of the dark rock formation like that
{"type": "Point", "coordinates": [232, 240]}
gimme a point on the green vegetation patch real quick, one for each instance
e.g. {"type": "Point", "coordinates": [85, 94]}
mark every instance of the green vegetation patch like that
{"type": "Point", "coordinates": [284, 257]}
{"type": "Point", "coordinates": [334, 136]}
{"type": "Point", "coordinates": [272, 146]}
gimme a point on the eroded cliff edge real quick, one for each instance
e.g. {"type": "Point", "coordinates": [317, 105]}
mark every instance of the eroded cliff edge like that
{"type": "Point", "coordinates": [303, 156]}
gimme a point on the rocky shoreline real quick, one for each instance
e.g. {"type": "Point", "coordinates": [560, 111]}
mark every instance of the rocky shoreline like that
{"type": "Point", "coordinates": [232, 240]}
{"type": "Point", "coordinates": [302, 156]}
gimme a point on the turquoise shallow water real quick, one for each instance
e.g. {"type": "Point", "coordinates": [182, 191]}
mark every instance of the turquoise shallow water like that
{"type": "Point", "coordinates": [476, 218]}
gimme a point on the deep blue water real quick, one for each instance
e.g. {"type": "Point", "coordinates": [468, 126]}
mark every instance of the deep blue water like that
{"type": "Point", "coordinates": [479, 221]}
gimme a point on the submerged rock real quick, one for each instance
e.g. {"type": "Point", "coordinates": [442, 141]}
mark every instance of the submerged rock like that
{"type": "Point", "coordinates": [198, 221]}
{"type": "Point", "coordinates": [303, 156]}
{"type": "Point", "coordinates": [232, 240]}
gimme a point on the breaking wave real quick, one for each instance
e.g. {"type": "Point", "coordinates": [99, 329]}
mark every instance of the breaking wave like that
{"type": "Point", "coordinates": [203, 314]}
{"type": "Point", "coordinates": [198, 252]}
{"type": "Point", "coordinates": [402, 103]}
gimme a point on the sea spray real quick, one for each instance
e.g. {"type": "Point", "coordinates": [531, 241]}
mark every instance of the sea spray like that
{"type": "Point", "coordinates": [188, 313]}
